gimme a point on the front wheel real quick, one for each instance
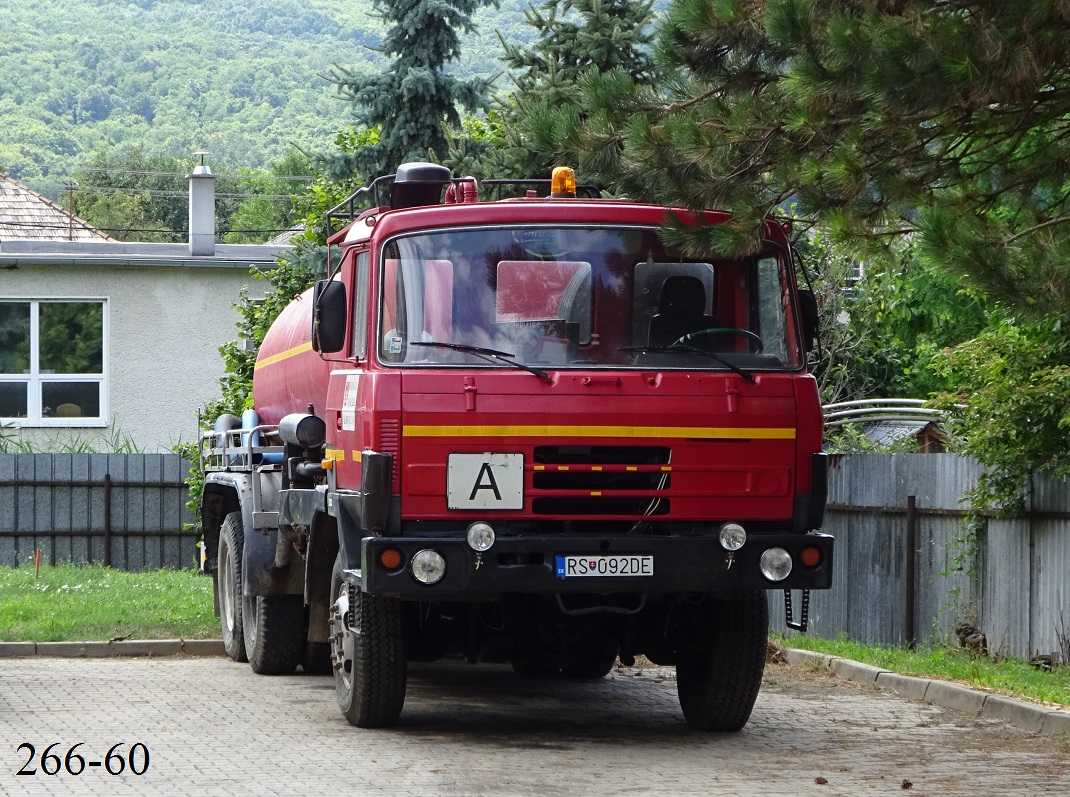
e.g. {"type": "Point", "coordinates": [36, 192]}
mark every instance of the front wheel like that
{"type": "Point", "coordinates": [229, 586]}
{"type": "Point", "coordinates": [367, 653]}
{"type": "Point", "coordinates": [721, 658]}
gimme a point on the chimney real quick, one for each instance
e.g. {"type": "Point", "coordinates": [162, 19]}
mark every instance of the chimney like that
{"type": "Point", "coordinates": [201, 209]}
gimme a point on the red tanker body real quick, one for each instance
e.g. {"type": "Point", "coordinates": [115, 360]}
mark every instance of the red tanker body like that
{"type": "Point", "coordinates": [298, 375]}
{"type": "Point", "coordinates": [525, 430]}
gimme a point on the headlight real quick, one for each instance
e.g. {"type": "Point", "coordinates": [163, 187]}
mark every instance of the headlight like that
{"type": "Point", "coordinates": [480, 537]}
{"type": "Point", "coordinates": [775, 564]}
{"type": "Point", "coordinates": [732, 536]}
{"type": "Point", "coordinates": [428, 567]}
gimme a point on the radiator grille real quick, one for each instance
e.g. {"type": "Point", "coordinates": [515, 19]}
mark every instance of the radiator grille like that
{"type": "Point", "coordinates": [625, 481]}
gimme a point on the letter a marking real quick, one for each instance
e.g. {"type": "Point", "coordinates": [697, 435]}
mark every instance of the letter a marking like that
{"type": "Point", "coordinates": [491, 485]}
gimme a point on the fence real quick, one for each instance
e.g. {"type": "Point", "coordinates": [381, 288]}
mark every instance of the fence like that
{"type": "Point", "coordinates": [907, 567]}
{"type": "Point", "coordinates": [122, 510]}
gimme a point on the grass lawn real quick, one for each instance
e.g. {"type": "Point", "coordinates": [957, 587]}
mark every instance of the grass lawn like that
{"type": "Point", "coordinates": [1007, 676]}
{"type": "Point", "coordinates": [91, 603]}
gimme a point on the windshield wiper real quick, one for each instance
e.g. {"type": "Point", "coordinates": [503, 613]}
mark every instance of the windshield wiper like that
{"type": "Point", "coordinates": [683, 348]}
{"type": "Point", "coordinates": [490, 355]}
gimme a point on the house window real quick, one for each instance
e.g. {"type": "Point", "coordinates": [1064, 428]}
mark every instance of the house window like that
{"type": "Point", "coordinates": [52, 362]}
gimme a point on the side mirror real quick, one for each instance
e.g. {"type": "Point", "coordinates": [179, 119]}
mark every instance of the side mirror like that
{"type": "Point", "coordinates": [329, 311]}
{"type": "Point", "coordinates": [808, 310]}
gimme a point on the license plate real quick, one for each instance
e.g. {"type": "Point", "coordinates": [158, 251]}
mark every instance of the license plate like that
{"type": "Point", "coordinates": [600, 566]}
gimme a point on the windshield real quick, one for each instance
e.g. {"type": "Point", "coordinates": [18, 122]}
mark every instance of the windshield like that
{"type": "Point", "coordinates": [583, 297]}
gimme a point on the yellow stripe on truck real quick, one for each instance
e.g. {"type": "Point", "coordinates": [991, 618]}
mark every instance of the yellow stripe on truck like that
{"type": "Point", "coordinates": [282, 355]}
{"type": "Point", "coordinates": [677, 432]}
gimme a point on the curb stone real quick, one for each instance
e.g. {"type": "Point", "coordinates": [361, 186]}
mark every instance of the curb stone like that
{"type": "Point", "coordinates": [127, 647]}
{"type": "Point", "coordinates": [1030, 717]}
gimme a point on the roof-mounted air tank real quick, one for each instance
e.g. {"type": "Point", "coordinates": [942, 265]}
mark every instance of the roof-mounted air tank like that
{"type": "Point", "coordinates": [417, 184]}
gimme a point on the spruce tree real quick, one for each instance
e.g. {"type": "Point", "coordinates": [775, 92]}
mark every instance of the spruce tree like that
{"type": "Point", "coordinates": [414, 98]}
{"type": "Point", "coordinates": [573, 37]}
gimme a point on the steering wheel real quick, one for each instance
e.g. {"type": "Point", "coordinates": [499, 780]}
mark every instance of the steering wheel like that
{"type": "Point", "coordinates": [690, 338]}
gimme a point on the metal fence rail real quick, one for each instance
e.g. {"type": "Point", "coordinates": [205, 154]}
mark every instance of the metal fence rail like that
{"type": "Point", "coordinates": [909, 566]}
{"type": "Point", "coordinates": [122, 510]}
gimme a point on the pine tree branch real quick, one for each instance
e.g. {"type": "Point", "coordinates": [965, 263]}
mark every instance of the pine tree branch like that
{"type": "Point", "coordinates": [1035, 228]}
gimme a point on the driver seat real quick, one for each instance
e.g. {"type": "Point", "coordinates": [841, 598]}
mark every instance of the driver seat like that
{"type": "Point", "coordinates": [681, 310]}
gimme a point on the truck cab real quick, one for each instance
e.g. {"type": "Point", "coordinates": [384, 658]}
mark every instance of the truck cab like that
{"type": "Point", "coordinates": [550, 438]}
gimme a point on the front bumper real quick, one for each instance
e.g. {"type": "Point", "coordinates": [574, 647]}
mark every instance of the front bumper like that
{"type": "Point", "coordinates": [527, 565]}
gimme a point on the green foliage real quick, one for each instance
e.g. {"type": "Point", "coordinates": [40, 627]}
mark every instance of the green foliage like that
{"type": "Point", "coordinates": [574, 36]}
{"type": "Point", "coordinates": [240, 79]}
{"type": "Point", "coordinates": [1008, 676]}
{"type": "Point", "coordinates": [84, 603]}
{"type": "Point", "coordinates": [882, 329]}
{"type": "Point", "coordinates": [112, 441]}
{"type": "Point", "coordinates": [72, 337]}
{"type": "Point", "coordinates": [907, 312]}
{"type": "Point", "coordinates": [415, 96]}
{"type": "Point", "coordinates": [1012, 395]}
{"type": "Point", "coordinates": [543, 113]}
{"type": "Point", "coordinates": [134, 195]}
{"type": "Point", "coordinates": [335, 181]}
{"type": "Point", "coordinates": [944, 120]}
{"type": "Point", "coordinates": [244, 79]}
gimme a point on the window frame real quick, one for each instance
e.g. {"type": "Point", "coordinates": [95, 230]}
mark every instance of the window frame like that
{"type": "Point", "coordinates": [35, 379]}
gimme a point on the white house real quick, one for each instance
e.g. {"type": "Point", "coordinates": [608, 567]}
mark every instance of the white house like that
{"type": "Point", "coordinates": [111, 343]}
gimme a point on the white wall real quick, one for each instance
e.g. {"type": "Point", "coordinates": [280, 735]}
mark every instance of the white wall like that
{"type": "Point", "coordinates": [165, 327]}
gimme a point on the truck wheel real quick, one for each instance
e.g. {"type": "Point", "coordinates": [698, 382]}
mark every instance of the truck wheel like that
{"type": "Point", "coordinates": [367, 653]}
{"type": "Point", "coordinates": [721, 659]}
{"type": "Point", "coordinates": [274, 633]}
{"type": "Point", "coordinates": [228, 586]}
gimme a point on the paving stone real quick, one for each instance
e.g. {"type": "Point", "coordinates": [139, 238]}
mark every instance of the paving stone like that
{"type": "Point", "coordinates": [215, 728]}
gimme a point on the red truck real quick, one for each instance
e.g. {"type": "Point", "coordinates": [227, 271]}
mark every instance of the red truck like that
{"type": "Point", "coordinates": [524, 430]}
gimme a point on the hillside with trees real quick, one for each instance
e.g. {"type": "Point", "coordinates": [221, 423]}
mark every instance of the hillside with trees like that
{"type": "Point", "coordinates": [243, 80]}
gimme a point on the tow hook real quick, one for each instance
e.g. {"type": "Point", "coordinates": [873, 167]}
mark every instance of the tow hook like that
{"type": "Point", "coordinates": [729, 560]}
{"type": "Point", "coordinates": [804, 611]}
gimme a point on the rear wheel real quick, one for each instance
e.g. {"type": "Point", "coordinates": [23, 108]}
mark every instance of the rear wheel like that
{"type": "Point", "coordinates": [274, 632]}
{"type": "Point", "coordinates": [367, 653]}
{"type": "Point", "coordinates": [229, 586]}
{"type": "Point", "coordinates": [721, 658]}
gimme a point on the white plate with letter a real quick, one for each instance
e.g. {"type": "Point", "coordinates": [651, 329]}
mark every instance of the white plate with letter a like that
{"type": "Point", "coordinates": [485, 481]}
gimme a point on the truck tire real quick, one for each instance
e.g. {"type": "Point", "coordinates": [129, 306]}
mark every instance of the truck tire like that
{"type": "Point", "coordinates": [275, 632]}
{"type": "Point", "coordinates": [229, 586]}
{"type": "Point", "coordinates": [368, 654]}
{"type": "Point", "coordinates": [721, 658]}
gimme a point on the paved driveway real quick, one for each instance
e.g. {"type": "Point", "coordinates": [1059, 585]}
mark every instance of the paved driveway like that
{"type": "Point", "coordinates": [213, 727]}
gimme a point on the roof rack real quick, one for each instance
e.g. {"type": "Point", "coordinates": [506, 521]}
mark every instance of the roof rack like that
{"type": "Point", "coordinates": [586, 190]}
